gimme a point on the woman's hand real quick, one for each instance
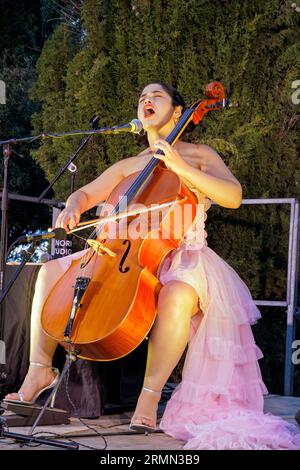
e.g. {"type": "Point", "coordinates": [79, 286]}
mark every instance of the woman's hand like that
{"type": "Point", "coordinates": [171, 157]}
{"type": "Point", "coordinates": [68, 218]}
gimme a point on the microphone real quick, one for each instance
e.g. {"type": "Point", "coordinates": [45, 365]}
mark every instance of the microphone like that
{"type": "Point", "coordinates": [58, 233]}
{"type": "Point", "coordinates": [134, 126]}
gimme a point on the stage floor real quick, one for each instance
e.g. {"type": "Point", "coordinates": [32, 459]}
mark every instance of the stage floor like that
{"type": "Point", "coordinates": [114, 429]}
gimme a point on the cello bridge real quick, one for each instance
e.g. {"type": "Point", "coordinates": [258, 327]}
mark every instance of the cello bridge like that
{"type": "Point", "coordinates": [100, 248]}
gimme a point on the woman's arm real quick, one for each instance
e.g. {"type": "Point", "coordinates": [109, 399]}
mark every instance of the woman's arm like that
{"type": "Point", "coordinates": [90, 195]}
{"type": "Point", "coordinates": [97, 190]}
{"type": "Point", "coordinates": [215, 179]}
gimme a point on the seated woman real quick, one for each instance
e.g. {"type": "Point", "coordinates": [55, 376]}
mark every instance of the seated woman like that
{"type": "Point", "coordinates": [203, 302]}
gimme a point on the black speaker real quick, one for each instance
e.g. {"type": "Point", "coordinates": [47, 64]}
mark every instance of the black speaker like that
{"type": "Point", "coordinates": [123, 379]}
{"type": "Point", "coordinates": [16, 335]}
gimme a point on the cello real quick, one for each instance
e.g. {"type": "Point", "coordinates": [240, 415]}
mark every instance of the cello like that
{"type": "Point", "coordinates": [105, 304]}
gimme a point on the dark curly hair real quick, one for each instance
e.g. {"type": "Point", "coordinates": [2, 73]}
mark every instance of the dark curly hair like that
{"type": "Point", "coordinates": [176, 97]}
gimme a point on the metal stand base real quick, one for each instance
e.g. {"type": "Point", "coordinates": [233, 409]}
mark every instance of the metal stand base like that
{"type": "Point", "coordinates": [71, 357]}
{"type": "Point", "coordinates": [40, 413]}
{"type": "Point", "coordinates": [25, 415]}
{"type": "Point", "coordinates": [22, 438]}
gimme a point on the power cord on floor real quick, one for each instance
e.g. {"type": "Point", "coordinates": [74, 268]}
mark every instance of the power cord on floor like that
{"type": "Point", "coordinates": [76, 414]}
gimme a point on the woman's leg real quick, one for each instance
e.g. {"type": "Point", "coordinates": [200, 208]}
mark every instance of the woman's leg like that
{"type": "Point", "coordinates": [42, 347]}
{"type": "Point", "coordinates": [177, 303]}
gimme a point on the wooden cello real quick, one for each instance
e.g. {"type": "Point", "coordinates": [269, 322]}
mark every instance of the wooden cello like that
{"type": "Point", "coordinates": [105, 303]}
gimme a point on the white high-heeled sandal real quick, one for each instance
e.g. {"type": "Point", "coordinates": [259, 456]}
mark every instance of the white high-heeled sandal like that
{"type": "Point", "coordinates": [139, 426]}
{"type": "Point", "coordinates": [20, 394]}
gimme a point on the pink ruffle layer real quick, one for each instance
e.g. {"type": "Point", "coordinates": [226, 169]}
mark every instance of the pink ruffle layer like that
{"type": "Point", "coordinates": [219, 403]}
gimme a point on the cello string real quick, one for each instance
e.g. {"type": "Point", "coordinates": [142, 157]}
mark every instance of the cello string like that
{"type": "Point", "coordinates": [145, 173]}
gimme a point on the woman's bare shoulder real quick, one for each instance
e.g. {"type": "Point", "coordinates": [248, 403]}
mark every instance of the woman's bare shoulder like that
{"type": "Point", "coordinates": [214, 163]}
{"type": "Point", "coordinates": [209, 161]}
{"type": "Point", "coordinates": [192, 154]}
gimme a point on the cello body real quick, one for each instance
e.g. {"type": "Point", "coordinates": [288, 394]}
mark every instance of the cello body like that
{"type": "Point", "coordinates": [118, 307]}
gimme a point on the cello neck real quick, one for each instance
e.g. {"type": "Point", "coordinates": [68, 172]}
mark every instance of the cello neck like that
{"type": "Point", "coordinates": [154, 162]}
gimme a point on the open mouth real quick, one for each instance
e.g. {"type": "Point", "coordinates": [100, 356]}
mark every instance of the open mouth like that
{"type": "Point", "coordinates": [148, 111]}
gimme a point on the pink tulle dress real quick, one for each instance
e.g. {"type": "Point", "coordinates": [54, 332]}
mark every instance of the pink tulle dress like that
{"type": "Point", "coordinates": [219, 403]}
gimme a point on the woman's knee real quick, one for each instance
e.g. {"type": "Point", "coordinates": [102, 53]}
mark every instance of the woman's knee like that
{"type": "Point", "coordinates": [179, 295]}
{"type": "Point", "coordinates": [49, 272]}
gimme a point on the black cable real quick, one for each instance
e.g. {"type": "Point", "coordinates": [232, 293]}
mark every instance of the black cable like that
{"type": "Point", "coordinates": [76, 414]}
{"type": "Point", "coordinates": [18, 240]}
{"type": "Point", "coordinates": [42, 433]}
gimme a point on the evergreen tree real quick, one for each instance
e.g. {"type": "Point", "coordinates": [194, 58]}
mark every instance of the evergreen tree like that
{"type": "Point", "coordinates": [23, 29]}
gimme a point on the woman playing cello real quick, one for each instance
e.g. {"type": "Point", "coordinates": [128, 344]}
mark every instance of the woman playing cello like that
{"type": "Point", "coordinates": [202, 302]}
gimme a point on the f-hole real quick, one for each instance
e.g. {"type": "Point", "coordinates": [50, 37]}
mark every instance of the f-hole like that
{"type": "Point", "coordinates": [121, 269]}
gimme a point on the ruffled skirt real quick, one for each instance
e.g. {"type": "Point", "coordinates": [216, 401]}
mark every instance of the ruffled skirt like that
{"type": "Point", "coordinates": [219, 403]}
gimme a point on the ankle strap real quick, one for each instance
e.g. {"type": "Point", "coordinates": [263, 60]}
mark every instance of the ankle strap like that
{"type": "Point", "coordinates": [45, 366]}
{"type": "Point", "coordinates": [38, 364]}
{"type": "Point", "coordinates": [150, 390]}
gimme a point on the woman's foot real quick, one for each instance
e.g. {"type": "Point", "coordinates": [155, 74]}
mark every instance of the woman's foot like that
{"type": "Point", "coordinates": [144, 418]}
{"type": "Point", "coordinates": [39, 377]}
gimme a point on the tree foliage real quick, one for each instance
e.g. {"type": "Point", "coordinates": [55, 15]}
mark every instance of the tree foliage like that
{"type": "Point", "coordinates": [24, 27]}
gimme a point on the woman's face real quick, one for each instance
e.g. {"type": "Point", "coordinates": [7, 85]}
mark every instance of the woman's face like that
{"type": "Point", "coordinates": [155, 107]}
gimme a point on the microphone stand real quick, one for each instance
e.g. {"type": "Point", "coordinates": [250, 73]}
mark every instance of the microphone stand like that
{"type": "Point", "coordinates": [134, 126]}
{"type": "Point", "coordinates": [7, 153]}
{"type": "Point", "coordinates": [69, 165]}
{"type": "Point", "coordinates": [64, 167]}
{"type": "Point", "coordinates": [72, 169]}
